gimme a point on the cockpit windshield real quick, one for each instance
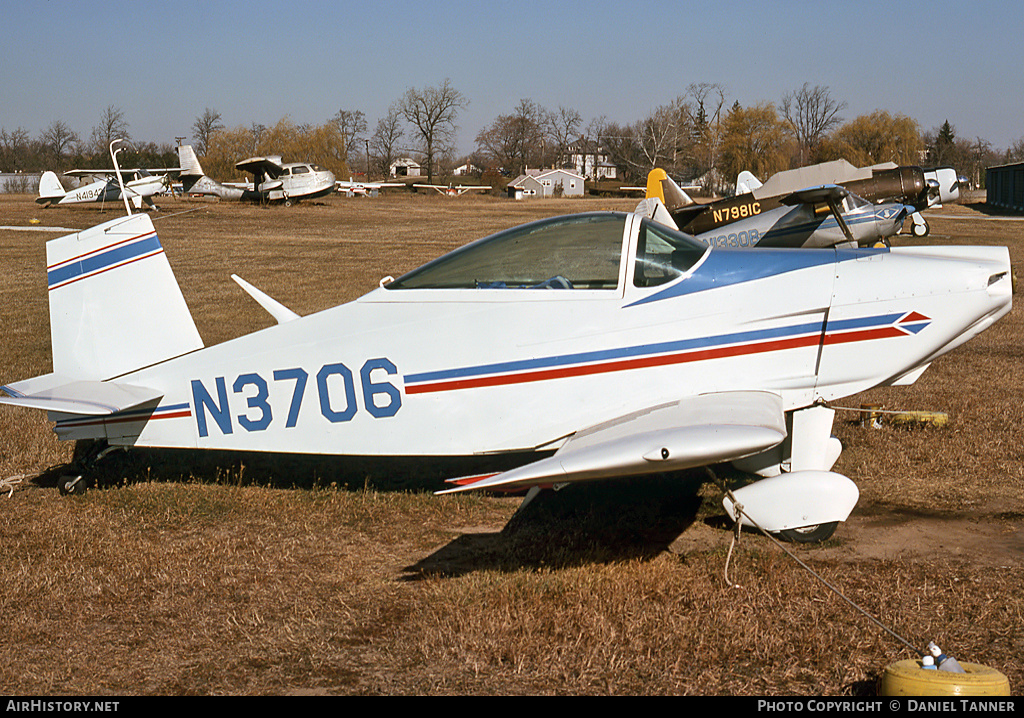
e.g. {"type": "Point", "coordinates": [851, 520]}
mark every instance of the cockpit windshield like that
{"type": "Point", "coordinates": [581, 251]}
{"type": "Point", "coordinates": [664, 254]}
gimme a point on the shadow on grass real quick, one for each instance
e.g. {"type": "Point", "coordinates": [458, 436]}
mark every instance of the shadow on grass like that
{"type": "Point", "coordinates": [276, 470]}
{"type": "Point", "coordinates": [597, 522]}
{"type": "Point", "coordinates": [594, 522]}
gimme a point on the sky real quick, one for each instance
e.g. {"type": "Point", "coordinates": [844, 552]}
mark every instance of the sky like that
{"type": "Point", "coordinates": [163, 64]}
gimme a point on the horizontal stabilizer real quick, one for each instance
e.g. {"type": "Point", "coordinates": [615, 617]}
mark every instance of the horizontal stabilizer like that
{"type": "Point", "coordinates": [90, 398]}
{"type": "Point", "coordinates": [697, 431]}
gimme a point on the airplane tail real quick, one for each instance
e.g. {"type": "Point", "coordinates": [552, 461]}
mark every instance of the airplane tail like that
{"type": "Point", "coordinates": [661, 186]}
{"type": "Point", "coordinates": [746, 182]}
{"type": "Point", "coordinates": [115, 307]}
{"type": "Point", "coordinates": [114, 303]}
{"type": "Point", "coordinates": [188, 161]}
{"type": "Point", "coordinates": [50, 189]}
{"type": "Point", "coordinates": [191, 170]}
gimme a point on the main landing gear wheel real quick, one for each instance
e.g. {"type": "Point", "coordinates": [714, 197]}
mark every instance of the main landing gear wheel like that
{"type": "Point", "coordinates": [810, 534]}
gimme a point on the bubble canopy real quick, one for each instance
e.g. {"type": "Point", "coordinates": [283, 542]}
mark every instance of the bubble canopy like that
{"type": "Point", "coordinates": [580, 251]}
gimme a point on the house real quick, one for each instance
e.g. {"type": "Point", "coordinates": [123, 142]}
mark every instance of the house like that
{"type": "Point", "coordinates": [590, 159]}
{"type": "Point", "coordinates": [405, 167]}
{"type": "Point", "coordinates": [547, 183]}
{"type": "Point", "coordinates": [466, 169]}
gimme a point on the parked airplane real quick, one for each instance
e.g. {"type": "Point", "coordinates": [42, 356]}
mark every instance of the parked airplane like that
{"type": "Point", "coordinates": [887, 182]}
{"type": "Point", "coordinates": [622, 345]}
{"type": "Point", "coordinates": [352, 188]}
{"type": "Point", "coordinates": [273, 180]}
{"type": "Point", "coordinates": [817, 216]}
{"type": "Point", "coordinates": [139, 186]}
{"type": "Point", "coordinates": [450, 191]}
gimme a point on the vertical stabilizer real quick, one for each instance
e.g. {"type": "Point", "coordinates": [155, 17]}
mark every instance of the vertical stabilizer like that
{"type": "Point", "coordinates": [659, 185]}
{"type": "Point", "coordinates": [188, 161]}
{"type": "Point", "coordinates": [746, 182]}
{"type": "Point", "coordinates": [114, 303]}
{"type": "Point", "coordinates": [50, 189]}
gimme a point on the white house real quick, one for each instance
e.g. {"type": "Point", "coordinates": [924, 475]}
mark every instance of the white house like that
{"type": "Point", "coordinates": [543, 183]}
{"type": "Point", "coordinates": [405, 167]}
{"type": "Point", "coordinates": [590, 160]}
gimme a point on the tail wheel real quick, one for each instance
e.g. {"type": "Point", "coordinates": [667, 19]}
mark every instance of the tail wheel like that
{"type": "Point", "coordinates": [72, 485]}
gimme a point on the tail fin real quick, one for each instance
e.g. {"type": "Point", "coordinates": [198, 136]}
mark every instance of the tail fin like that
{"type": "Point", "coordinates": [50, 189]}
{"type": "Point", "coordinates": [660, 186]}
{"type": "Point", "coordinates": [188, 161]}
{"type": "Point", "coordinates": [746, 182]}
{"type": "Point", "coordinates": [114, 303]}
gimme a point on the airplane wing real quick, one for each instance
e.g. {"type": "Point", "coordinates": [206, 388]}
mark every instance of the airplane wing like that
{"type": "Point", "coordinates": [830, 194]}
{"type": "Point", "coordinates": [112, 173]}
{"type": "Point", "coordinates": [271, 165]}
{"type": "Point", "coordinates": [696, 431]}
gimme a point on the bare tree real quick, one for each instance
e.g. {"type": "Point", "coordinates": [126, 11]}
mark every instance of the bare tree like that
{"type": "Point", "coordinates": [1014, 153]}
{"type": "Point", "coordinates": [432, 111]}
{"type": "Point", "coordinates": [58, 139]}
{"type": "Point", "coordinates": [384, 143]}
{"type": "Point", "coordinates": [352, 126]}
{"type": "Point", "coordinates": [562, 127]}
{"type": "Point", "coordinates": [811, 113]}
{"type": "Point", "coordinates": [203, 129]}
{"type": "Point", "coordinates": [515, 141]}
{"type": "Point", "coordinates": [708, 100]}
{"type": "Point", "coordinates": [112, 126]}
{"type": "Point", "coordinates": [256, 131]}
{"type": "Point", "coordinates": [14, 149]}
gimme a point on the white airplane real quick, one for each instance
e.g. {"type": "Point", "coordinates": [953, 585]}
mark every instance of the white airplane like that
{"type": "Point", "coordinates": [139, 187]}
{"type": "Point", "coordinates": [824, 215]}
{"type": "Point", "coordinates": [352, 188]}
{"type": "Point", "coordinates": [456, 191]}
{"type": "Point", "coordinates": [273, 180]}
{"type": "Point", "coordinates": [621, 345]}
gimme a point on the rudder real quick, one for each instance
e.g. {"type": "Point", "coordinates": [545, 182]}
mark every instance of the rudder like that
{"type": "Point", "coordinates": [50, 188]}
{"type": "Point", "coordinates": [115, 305]}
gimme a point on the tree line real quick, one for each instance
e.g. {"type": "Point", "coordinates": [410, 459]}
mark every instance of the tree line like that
{"type": "Point", "coordinates": [697, 135]}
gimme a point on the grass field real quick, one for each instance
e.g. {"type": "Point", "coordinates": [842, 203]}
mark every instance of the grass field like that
{"type": "Point", "coordinates": [262, 575]}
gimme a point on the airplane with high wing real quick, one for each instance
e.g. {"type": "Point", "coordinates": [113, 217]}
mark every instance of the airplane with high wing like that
{"type": "Point", "coordinates": [140, 186]}
{"type": "Point", "coordinates": [824, 215]}
{"type": "Point", "coordinates": [355, 188]}
{"type": "Point", "coordinates": [608, 343]}
{"type": "Point", "coordinates": [453, 191]}
{"type": "Point", "coordinates": [918, 188]}
{"type": "Point", "coordinates": [273, 180]}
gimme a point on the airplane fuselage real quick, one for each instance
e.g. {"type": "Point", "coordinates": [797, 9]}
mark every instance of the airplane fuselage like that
{"type": "Point", "coordinates": [110, 191]}
{"type": "Point", "coordinates": [492, 367]}
{"type": "Point", "coordinates": [745, 221]}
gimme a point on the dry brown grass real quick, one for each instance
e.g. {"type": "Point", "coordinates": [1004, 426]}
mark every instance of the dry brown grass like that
{"type": "Point", "coordinates": [212, 575]}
